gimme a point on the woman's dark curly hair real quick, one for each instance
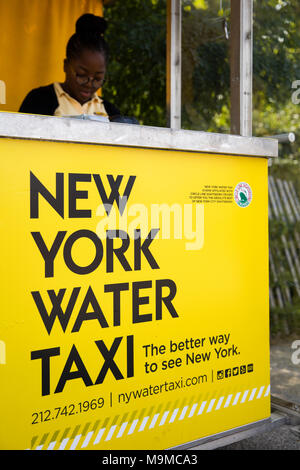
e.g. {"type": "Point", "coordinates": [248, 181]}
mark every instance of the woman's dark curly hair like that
{"type": "Point", "coordinates": [89, 35]}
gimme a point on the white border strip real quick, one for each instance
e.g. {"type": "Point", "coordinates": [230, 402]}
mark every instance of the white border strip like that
{"type": "Point", "coordinates": [27, 126]}
{"type": "Point", "coordinates": [214, 404]}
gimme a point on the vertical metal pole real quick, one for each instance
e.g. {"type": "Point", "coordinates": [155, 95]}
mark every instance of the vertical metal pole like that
{"type": "Point", "coordinates": [241, 64]}
{"type": "Point", "coordinates": [174, 64]}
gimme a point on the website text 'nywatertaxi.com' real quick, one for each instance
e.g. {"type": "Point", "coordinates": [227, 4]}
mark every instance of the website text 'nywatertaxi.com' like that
{"type": "Point", "coordinates": [161, 388]}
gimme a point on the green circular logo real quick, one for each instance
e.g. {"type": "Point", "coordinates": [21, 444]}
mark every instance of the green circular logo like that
{"type": "Point", "coordinates": [243, 194]}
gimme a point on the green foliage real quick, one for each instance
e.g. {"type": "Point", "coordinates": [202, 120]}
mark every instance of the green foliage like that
{"type": "Point", "coordinates": [276, 42]}
{"type": "Point", "coordinates": [205, 67]}
{"type": "Point", "coordinates": [284, 323]}
{"type": "Point", "coordinates": [288, 168]}
{"type": "Point", "coordinates": [206, 72]}
{"type": "Point", "coordinates": [136, 72]}
{"type": "Point", "coordinates": [276, 66]}
{"type": "Point", "coordinates": [137, 69]}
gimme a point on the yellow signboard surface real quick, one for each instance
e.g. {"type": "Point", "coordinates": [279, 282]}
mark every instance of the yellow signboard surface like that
{"type": "Point", "coordinates": [134, 300]}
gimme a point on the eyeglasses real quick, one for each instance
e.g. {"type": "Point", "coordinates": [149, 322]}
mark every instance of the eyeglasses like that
{"type": "Point", "coordinates": [84, 80]}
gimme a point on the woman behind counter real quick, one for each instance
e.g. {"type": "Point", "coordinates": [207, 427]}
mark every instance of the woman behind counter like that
{"type": "Point", "coordinates": [85, 68]}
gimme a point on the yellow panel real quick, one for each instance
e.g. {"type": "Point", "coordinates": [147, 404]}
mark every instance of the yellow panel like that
{"type": "Point", "coordinates": [34, 35]}
{"type": "Point", "coordinates": [155, 344]}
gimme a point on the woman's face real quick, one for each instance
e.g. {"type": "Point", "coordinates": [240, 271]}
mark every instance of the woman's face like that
{"type": "Point", "coordinates": [84, 75]}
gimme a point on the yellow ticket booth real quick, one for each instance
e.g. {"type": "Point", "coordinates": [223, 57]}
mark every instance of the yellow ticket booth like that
{"type": "Point", "coordinates": [134, 304]}
{"type": "Point", "coordinates": [134, 284]}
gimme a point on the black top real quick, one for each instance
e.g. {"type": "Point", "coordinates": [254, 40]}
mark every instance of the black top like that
{"type": "Point", "coordinates": [44, 101]}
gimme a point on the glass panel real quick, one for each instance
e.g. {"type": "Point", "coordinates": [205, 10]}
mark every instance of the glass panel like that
{"type": "Point", "coordinates": [137, 68]}
{"type": "Point", "coordinates": [205, 65]}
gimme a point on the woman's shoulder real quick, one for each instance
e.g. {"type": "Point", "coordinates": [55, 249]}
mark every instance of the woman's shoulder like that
{"type": "Point", "coordinates": [41, 100]}
{"type": "Point", "coordinates": [42, 91]}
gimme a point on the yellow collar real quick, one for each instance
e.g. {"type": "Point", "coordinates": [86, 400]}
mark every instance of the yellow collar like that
{"type": "Point", "coordinates": [62, 92]}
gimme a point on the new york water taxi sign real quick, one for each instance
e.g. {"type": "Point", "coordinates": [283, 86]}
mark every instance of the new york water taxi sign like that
{"type": "Point", "coordinates": [134, 300]}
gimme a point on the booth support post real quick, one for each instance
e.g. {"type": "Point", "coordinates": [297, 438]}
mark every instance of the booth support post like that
{"type": "Point", "coordinates": [241, 66]}
{"type": "Point", "coordinates": [174, 64]}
